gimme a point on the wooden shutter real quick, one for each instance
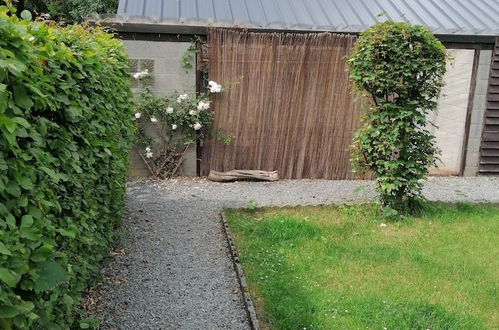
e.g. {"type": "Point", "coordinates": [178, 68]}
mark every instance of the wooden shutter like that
{"type": "Point", "coordinates": [489, 151]}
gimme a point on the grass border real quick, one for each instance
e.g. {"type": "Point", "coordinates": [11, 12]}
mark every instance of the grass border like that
{"type": "Point", "coordinates": [241, 279]}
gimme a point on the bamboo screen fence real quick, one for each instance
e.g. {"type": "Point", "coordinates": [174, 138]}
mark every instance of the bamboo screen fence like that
{"type": "Point", "coordinates": [287, 104]}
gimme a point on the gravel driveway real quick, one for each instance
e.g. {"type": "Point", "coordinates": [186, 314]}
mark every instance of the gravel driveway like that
{"type": "Point", "coordinates": [175, 271]}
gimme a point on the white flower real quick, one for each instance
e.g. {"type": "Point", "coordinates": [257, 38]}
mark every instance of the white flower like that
{"type": "Point", "coordinates": [141, 74]}
{"type": "Point", "coordinates": [174, 127]}
{"type": "Point", "coordinates": [197, 126]}
{"type": "Point", "coordinates": [203, 105]}
{"type": "Point", "coordinates": [137, 115]}
{"type": "Point", "coordinates": [181, 97]}
{"type": "Point", "coordinates": [192, 112]}
{"type": "Point", "coordinates": [383, 225]}
{"type": "Point", "coordinates": [149, 154]}
{"type": "Point", "coordinates": [148, 149]}
{"type": "Point", "coordinates": [214, 87]}
{"type": "Point", "coordinates": [32, 38]}
{"type": "Point", "coordinates": [169, 110]}
{"type": "Point", "coordinates": [154, 119]}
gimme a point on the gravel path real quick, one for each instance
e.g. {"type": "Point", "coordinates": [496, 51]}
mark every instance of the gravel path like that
{"type": "Point", "coordinates": [175, 271]}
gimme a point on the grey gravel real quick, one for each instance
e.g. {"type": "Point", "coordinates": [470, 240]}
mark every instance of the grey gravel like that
{"type": "Point", "coordinates": [175, 270]}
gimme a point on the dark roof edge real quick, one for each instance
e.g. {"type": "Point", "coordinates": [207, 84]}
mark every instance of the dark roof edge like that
{"type": "Point", "coordinates": [202, 30]}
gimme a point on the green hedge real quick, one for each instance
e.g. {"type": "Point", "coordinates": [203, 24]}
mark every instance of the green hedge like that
{"type": "Point", "coordinates": [66, 126]}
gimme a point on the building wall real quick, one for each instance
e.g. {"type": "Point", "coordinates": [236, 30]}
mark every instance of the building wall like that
{"type": "Point", "coordinates": [450, 116]}
{"type": "Point", "coordinates": [163, 60]}
{"type": "Point", "coordinates": [478, 112]}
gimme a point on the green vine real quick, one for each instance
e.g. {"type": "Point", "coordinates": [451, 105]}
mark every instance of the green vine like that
{"type": "Point", "coordinates": [225, 138]}
{"type": "Point", "coordinates": [187, 60]}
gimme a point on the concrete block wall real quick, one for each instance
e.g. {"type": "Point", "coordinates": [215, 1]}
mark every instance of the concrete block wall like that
{"type": "Point", "coordinates": [168, 76]}
{"type": "Point", "coordinates": [478, 112]}
{"type": "Point", "coordinates": [450, 116]}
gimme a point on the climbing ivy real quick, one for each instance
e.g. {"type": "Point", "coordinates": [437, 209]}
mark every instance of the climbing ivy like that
{"type": "Point", "coordinates": [400, 68]}
{"type": "Point", "coordinates": [187, 59]}
{"type": "Point", "coordinates": [65, 132]}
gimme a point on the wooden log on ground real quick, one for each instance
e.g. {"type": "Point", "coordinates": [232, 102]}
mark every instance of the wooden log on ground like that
{"type": "Point", "coordinates": [236, 175]}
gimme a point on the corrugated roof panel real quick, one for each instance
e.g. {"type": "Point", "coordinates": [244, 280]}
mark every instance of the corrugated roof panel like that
{"type": "Point", "coordinates": [122, 7]}
{"type": "Point", "coordinates": [415, 13]}
{"type": "Point", "coordinates": [287, 13]}
{"type": "Point", "coordinates": [188, 9]}
{"type": "Point", "coordinates": [489, 8]}
{"type": "Point", "coordinates": [350, 15]}
{"type": "Point", "coordinates": [391, 11]}
{"type": "Point", "coordinates": [171, 9]}
{"type": "Point", "coordinates": [272, 12]}
{"type": "Point", "coordinates": [442, 16]}
{"type": "Point", "coordinates": [375, 9]}
{"type": "Point", "coordinates": [205, 11]}
{"type": "Point", "coordinates": [475, 12]}
{"type": "Point", "coordinates": [451, 19]}
{"type": "Point", "coordinates": [302, 14]}
{"type": "Point", "coordinates": [153, 7]}
{"type": "Point", "coordinates": [424, 16]}
{"type": "Point", "coordinates": [317, 13]}
{"type": "Point", "coordinates": [335, 16]}
{"type": "Point", "coordinates": [240, 11]}
{"type": "Point", "coordinates": [471, 17]}
{"type": "Point", "coordinates": [222, 10]}
{"type": "Point", "coordinates": [134, 8]}
{"type": "Point", "coordinates": [366, 16]}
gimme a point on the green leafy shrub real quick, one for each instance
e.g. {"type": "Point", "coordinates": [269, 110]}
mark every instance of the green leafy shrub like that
{"type": "Point", "coordinates": [68, 10]}
{"type": "Point", "coordinates": [167, 126]}
{"type": "Point", "coordinates": [400, 68]}
{"type": "Point", "coordinates": [65, 132]}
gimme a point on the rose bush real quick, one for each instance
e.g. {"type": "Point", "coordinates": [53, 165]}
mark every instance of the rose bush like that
{"type": "Point", "coordinates": [179, 120]}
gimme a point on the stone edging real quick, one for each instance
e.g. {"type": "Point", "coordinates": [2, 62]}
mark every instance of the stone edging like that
{"type": "Point", "coordinates": [243, 286]}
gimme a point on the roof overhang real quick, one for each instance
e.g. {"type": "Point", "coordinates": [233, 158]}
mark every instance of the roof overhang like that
{"type": "Point", "coordinates": [184, 29]}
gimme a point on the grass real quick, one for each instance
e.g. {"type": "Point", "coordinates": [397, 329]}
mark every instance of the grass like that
{"type": "Point", "coordinates": [346, 267]}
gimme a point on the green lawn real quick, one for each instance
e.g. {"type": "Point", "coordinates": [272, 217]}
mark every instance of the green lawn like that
{"type": "Point", "coordinates": [345, 267]}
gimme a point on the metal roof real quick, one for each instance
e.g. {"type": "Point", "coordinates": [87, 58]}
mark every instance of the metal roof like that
{"type": "Point", "coordinates": [459, 17]}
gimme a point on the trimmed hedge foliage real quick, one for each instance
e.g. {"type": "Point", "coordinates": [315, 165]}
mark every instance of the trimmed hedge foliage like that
{"type": "Point", "coordinates": [65, 132]}
{"type": "Point", "coordinates": [400, 67]}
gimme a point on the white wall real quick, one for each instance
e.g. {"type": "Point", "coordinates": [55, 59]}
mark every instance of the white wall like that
{"type": "Point", "coordinates": [478, 113]}
{"type": "Point", "coordinates": [450, 116]}
{"type": "Point", "coordinates": [169, 75]}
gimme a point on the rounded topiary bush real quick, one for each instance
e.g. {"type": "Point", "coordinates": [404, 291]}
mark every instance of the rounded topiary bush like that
{"type": "Point", "coordinates": [400, 68]}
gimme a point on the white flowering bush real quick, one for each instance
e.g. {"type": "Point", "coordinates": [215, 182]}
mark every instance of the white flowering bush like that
{"type": "Point", "coordinates": [178, 120]}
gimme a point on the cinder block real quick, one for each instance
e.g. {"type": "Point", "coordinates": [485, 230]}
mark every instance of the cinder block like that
{"type": "Point", "coordinates": [189, 165]}
{"type": "Point", "coordinates": [179, 82]}
{"type": "Point", "coordinates": [472, 158]}
{"type": "Point", "coordinates": [159, 49]}
{"type": "Point", "coordinates": [173, 65]}
{"type": "Point", "coordinates": [474, 143]}
{"type": "Point", "coordinates": [470, 171]}
{"type": "Point", "coordinates": [168, 77]}
{"type": "Point", "coordinates": [483, 71]}
{"type": "Point", "coordinates": [475, 130]}
{"type": "Point", "coordinates": [481, 86]}
{"type": "Point", "coordinates": [485, 57]}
